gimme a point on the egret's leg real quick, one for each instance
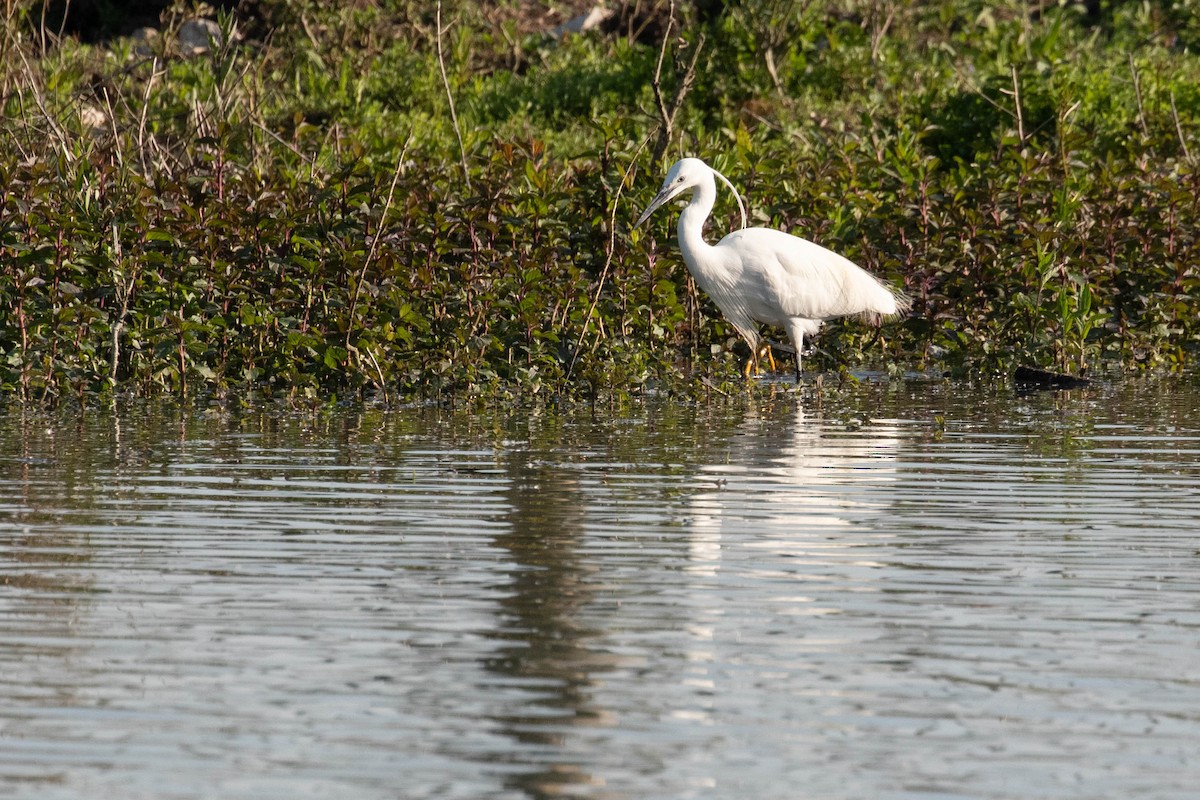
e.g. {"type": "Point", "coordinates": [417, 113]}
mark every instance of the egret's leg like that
{"type": "Point", "coordinates": [752, 362]}
{"type": "Point", "coordinates": [752, 368]}
{"type": "Point", "coordinates": [799, 352]}
{"type": "Point", "coordinates": [770, 358]}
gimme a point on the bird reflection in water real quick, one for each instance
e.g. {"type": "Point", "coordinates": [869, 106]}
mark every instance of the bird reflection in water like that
{"type": "Point", "coordinates": [550, 652]}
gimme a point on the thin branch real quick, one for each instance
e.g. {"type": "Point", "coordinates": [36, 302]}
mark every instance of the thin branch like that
{"type": "Point", "coordinates": [378, 372]}
{"type": "Point", "coordinates": [141, 129]}
{"type": "Point", "coordinates": [62, 25]}
{"type": "Point", "coordinates": [299, 153]}
{"type": "Point", "coordinates": [40, 100]}
{"type": "Point", "coordinates": [608, 260]}
{"type": "Point", "coordinates": [1017, 103]}
{"type": "Point", "coordinates": [880, 33]}
{"type": "Point", "coordinates": [667, 112]}
{"type": "Point", "coordinates": [662, 54]}
{"type": "Point", "coordinates": [689, 77]}
{"type": "Point", "coordinates": [362, 273]}
{"type": "Point", "coordinates": [124, 291]}
{"type": "Point", "coordinates": [1179, 129]}
{"type": "Point", "coordinates": [112, 120]}
{"type": "Point", "coordinates": [1137, 90]}
{"type": "Point", "coordinates": [450, 97]}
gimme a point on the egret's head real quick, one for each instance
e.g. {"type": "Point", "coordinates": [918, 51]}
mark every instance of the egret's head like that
{"type": "Point", "coordinates": [685, 174]}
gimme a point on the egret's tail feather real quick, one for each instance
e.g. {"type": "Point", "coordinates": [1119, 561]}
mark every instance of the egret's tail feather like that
{"type": "Point", "coordinates": [895, 304]}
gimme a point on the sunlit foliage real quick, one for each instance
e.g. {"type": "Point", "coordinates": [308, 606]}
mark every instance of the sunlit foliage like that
{"type": "Point", "coordinates": [289, 211]}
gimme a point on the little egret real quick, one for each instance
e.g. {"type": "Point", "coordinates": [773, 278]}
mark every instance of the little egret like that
{"type": "Point", "coordinates": [764, 276]}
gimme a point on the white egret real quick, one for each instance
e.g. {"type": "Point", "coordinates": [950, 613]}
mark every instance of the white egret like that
{"type": "Point", "coordinates": [764, 276]}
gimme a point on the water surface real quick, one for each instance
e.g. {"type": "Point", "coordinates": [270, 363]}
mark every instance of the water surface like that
{"type": "Point", "coordinates": [907, 590]}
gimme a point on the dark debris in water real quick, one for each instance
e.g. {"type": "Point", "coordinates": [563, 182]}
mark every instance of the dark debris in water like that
{"type": "Point", "coordinates": [1033, 378]}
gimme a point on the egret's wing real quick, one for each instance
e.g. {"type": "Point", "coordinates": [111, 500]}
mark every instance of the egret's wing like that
{"type": "Point", "coordinates": [802, 279]}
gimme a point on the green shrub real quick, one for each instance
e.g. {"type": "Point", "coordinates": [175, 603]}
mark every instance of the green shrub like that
{"type": "Point", "coordinates": [294, 211]}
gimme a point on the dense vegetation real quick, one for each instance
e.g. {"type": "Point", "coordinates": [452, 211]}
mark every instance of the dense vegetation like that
{"type": "Point", "coordinates": [339, 200]}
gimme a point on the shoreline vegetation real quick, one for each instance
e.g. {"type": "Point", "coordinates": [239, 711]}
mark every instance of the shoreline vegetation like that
{"type": "Point", "coordinates": [417, 200]}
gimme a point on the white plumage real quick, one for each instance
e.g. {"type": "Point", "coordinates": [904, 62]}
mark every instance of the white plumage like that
{"type": "Point", "coordinates": [764, 276]}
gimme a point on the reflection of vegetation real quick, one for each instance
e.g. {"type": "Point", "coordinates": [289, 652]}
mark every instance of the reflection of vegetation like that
{"type": "Point", "coordinates": [219, 221]}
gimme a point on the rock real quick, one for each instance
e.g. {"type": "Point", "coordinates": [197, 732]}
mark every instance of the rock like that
{"type": "Point", "coordinates": [143, 41]}
{"type": "Point", "coordinates": [197, 36]}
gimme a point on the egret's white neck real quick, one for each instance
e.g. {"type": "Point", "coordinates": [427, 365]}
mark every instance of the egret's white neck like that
{"type": "Point", "coordinates": [691, 220]}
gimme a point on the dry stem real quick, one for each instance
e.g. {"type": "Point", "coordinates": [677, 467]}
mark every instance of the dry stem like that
{"type": "Point", "coordinates": [462, 150]}
{"type": "Point", "coordinates": [610, 254]}
{"type": "Point", "coordinates": [668, 111]}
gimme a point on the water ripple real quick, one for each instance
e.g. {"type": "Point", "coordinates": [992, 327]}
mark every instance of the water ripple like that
{"type": "Point", "coordinates": [894, 594]}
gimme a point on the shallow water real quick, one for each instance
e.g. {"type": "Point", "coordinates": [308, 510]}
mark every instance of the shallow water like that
{"type": "Point", "coordinates": [909, 590]}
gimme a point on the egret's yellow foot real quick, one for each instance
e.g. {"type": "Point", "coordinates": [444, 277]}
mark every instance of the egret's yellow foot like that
{"type": "Point", "coordinates": [770, 357]}
{"type": "Point", "coordinates": [753, 364]}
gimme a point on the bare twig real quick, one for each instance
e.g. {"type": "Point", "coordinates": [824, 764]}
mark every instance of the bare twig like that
{"type": "Point", "coordinates": [387, 207]}
{"type": "Point", "coordinates": [1179, 129]}
{"type": "Point", "coordinates": [42, 29]}
{"type": "Point", "coordinates": [772, 70]}
{"type": "Point", "coordinates": [667, 111]}
{"type": "Point", "coordinates": [611, 253]}
{"type": "Point", "coordinates": [1017, 103]}
{"type": "Point", "coordinates": [362, 273]}
{"type": "Point", "coordinates": [1063, 154]}
{"type": "Point", "coordinates": [62, 25]}
{"type": "Point", "coordinates": [112, 121]}
{"type": "Point", "coordinates": [40, 100]}
{"type": "Point", "coordinates": [879, 33]}
{"type": "Point", "coordinates": [299, 153]}
{"type": "Point", "coordinates": [124, 291]}
{"type": "Point", "coordinates": [312, 37]}
{"type": "Point", "coordinates": [1137, 90]}
{"type": "Point", "coordinates": [141, 131]}
{"type": "Point", "coordinates": [662, 54]}
{"type": "Point", "coordinates": [450, 97]}
{"type": "Point", "coordinates": [379, 373]}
